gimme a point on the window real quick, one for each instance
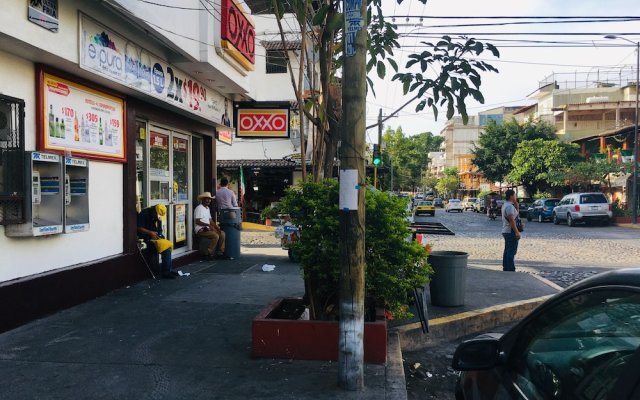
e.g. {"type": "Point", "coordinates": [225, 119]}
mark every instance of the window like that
{"type": "Point", "coordinates": [579, 348]}
{"type": "Point", "coordinates": [12, 161]}
{"type": "Point", "coordinates": [593, 199]}
{"type": "Point", "coordinates": [276, 62]}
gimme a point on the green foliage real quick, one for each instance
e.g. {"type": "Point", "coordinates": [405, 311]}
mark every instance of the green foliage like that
{"type": "Point", "coordinates": [533, 160]}
{"type": "Point", "coordinates": [582, 175]}
{"type": "Point", "coordinates": [449, 182]}
{"type": "Point", "coordinates": [541, 195]}
{"type": "Point", "coordinates": [409, 156]}
{"type": "Point", "coordinates": [393, 265]}
{"type": "Point", "coordinates": [269, 213]}
{"type": "Point", "coordinates": [484, 193]}
{"type": "Point", "coordinates": [495, 148]}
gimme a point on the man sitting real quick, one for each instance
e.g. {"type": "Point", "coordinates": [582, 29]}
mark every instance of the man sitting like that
{"type": "Point", "coordinates": [150, 230]}
{"type": "Point", "coordinates": [206, 227]}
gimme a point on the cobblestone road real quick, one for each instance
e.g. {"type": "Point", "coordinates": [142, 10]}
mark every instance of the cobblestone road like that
{"type": "Point", "coordinates": [560, 253]}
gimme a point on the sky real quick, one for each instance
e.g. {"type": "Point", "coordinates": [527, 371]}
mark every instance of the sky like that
{"type": "Point", "coordinates": [520, 68]}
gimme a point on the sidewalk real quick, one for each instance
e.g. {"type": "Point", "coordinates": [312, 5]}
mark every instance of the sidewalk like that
{"type": "Point", "coordinates": [190, 338]}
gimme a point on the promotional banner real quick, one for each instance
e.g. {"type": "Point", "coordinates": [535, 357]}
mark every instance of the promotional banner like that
{"type": "Point", "coordinates": [107, 53]}
{"type": "Point", "coordinates": [82, 120]}
{"type": "Point", "coordinates": [263, 123]}
{"type": "Point", "coordinates": [225, 137]}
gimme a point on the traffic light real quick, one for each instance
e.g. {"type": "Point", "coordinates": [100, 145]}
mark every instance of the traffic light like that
{"type": "Point", "coordinates": [376, 155]}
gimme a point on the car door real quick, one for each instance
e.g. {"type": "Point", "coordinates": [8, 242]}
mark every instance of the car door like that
{"type": "Point", "coordinates": [536, 209]}
{"type": "Point", "coordinates": [576, 348]}
{"type": "Point", "coordinates": [561, 208]}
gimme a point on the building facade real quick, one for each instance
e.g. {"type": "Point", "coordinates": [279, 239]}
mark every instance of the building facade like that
{"type": "Point", "coordinates": [113, 106]}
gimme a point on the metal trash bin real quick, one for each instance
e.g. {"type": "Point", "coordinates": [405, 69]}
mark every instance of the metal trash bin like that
{"type": "Point", "coordinates": [231, 224]}
{"type": "Point", "coordinates": [448, 283]}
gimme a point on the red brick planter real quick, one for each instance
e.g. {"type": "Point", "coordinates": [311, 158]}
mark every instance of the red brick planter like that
{"type": "Point", "coordinates": [311, 340]}
{"type": "Point", "coordinates": [623, 220]}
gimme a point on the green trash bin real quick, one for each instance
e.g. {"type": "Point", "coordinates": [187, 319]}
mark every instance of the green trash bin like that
{"type": "Point", "coordinates": [448, 283]}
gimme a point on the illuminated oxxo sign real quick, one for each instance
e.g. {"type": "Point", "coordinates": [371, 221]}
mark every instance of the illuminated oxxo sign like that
{"type": "Point", "coordinates": [238, 34]}
{"type": "Point", "coordinates": [263, 123]}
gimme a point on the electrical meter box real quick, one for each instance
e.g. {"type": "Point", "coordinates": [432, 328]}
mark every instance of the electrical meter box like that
{"type": "Point", "coordinates": [45, 201]}
{"type": "Point", "coordinates": [76, 195]}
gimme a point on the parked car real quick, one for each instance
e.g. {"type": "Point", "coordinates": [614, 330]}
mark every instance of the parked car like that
{"type": "Point", "coordinates": [583, 343]}
{"type": "Point", "coordinates": [583, 207]}
{"type": "Point", "coordinates": [523, 206]}
{"type": "Point", "coordinates": [467, 203]}
{"type": "Point", "coordinates": [423, 208]}
{"type": "Point", "coordinates": [542, 209]}
{"type": "Point", "coordinates": [478, 205]}
{"type": "Point", "coordinates": [438, 202]}
{"type": "Point", "coordinates": [454, 205]}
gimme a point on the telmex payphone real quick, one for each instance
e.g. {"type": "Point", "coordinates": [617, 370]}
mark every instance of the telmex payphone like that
{"type": "Point", "coordinates": [44, 202]}
{"type": "Point", "coordinates": [76, 195]}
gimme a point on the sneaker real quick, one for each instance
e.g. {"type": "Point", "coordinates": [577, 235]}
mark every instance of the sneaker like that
{"type": "Point", "coordinates": [168, 275]}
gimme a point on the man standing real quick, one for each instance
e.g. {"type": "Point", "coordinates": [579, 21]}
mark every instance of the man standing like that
{"type": "Point", "coordinates": [150, 230]}
{"type": "Point", "coordinates": [206, 227]}
{"type": "Point", "coordinates": [510, 231]}
{"type": "Point", "coordinates": [225, 198]}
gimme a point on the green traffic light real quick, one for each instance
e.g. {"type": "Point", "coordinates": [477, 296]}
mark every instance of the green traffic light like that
{"type": "Point", "coordinates": [376, 161]}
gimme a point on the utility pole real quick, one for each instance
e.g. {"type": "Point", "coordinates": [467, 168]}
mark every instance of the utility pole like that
{"type": "Point", "coordinates": [352, 192]}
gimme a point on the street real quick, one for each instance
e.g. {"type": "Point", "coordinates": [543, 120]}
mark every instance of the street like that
{"type": "Point", "coordinates": [562, 254]}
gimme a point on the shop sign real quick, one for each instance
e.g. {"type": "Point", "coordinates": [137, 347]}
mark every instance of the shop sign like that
{"type": "Point", "coordinates": [82, 120]}
{"type": "Point", "coordinates": [225, 137]}
{"type": "Point", "coordinates": [118, 59]}
{"type": "Point", "coordinates": [180, 145]}
{"type": "Point", "coordinates": [238, 34]}
{"type": "Point", "coordinates": [180, 223]}
{"type": "Point", "coordinates": [158, 141]}
{"type": "Point", "coordinates": [44, 13]}
{"type": "Point", "coordinates": [260, 123]}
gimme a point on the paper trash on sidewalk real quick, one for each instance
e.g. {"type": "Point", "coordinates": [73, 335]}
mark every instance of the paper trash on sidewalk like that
{"type": "Point", "coordinates": [268, 267]}
{"type": "Point", "coordinates": [183, 273]}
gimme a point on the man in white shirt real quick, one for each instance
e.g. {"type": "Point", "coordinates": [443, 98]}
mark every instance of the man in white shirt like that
{"type": "Point", "coordinates": [225, 198]}
{"type": "Point", "coordinates": [206, 227]}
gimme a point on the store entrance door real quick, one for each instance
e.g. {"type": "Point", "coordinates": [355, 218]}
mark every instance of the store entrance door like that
{"type": "Point", "coordinates": [169, 177]}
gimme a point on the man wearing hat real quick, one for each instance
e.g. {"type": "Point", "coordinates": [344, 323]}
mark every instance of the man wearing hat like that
{"type": "Point", "coordinates": [150, 230]}
{"type": "Point", "coordinates": [206, 227]}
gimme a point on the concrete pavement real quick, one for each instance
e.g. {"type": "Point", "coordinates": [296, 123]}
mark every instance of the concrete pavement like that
{"type": "Point", "coordinates": [190, 338]}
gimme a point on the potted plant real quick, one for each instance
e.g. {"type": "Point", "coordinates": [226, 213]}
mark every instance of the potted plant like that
{"type": "Point", "coordinates": [394, 266]}
{"type": "Point", "coordinates": [268, 214]}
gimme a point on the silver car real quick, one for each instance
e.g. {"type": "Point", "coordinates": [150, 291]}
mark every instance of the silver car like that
{"type": "Point", "coordinates": [583, 207]}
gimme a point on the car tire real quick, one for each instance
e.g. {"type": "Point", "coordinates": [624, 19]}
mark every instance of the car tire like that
{"type": "Point", "coordinates": [605, 222]}
{"type": "Point", "coordinates": [556, 221]}
{"type": "Point", "coordinates": [540, 219]}
{"type": "Point", "coordinates": [570, 221]}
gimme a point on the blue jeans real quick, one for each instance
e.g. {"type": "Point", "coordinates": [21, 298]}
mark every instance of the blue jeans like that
{"type": "Point", "coordinates": [166, 261]}
{"type": "Point", "coordinates": [510, 250]}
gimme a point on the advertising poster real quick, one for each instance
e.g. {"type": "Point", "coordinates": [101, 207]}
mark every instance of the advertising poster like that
{"type": "Point", "coordinates": [111, 55]}
{"type": "Point", "coordinates": [82, 120]}
{"type": "Point", "coordinates": [181, 222]}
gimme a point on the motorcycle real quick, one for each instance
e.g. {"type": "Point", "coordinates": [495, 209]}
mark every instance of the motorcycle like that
{"type": "Point", "coordinates": [493, 213]}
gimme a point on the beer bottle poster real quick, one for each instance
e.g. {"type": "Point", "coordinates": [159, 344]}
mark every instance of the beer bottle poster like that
{"type": "Point", "coordinates": [82, 120]}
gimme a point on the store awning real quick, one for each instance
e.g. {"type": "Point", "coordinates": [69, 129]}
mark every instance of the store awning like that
{"type": "Point", "coordinates": [278, 45]}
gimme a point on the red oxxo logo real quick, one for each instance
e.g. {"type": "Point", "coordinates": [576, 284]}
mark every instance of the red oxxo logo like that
{"type": "Point", "coordinates": [267, 122]}
{"type": "Point", "coordinates": [238, 34]}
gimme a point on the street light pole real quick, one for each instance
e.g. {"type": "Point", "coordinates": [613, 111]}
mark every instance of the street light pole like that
{"type": "Point", "coordinates": [634, 169]}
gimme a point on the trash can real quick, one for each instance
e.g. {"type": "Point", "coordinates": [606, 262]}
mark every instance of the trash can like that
{"type": "Point", "coordinates": [448, 282]}
{"type": "Point", "coordinates": [231, 224]}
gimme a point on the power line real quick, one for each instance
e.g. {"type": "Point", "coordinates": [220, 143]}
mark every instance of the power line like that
{"type": "Point", "coordinates": [510, 17]}
{"type": "Point", "coordinates": [530, 23]}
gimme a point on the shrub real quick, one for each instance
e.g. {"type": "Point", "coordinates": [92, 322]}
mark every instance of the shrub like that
{"type": "Point", "coordinates": [394, 265]}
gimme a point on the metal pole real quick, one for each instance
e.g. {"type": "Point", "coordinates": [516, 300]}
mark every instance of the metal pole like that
{"type": "Point", "coordinates": [635, 142]}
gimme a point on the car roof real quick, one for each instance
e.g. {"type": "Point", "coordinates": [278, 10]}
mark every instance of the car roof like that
{"type": "Point", "coordinates": [618, 277]}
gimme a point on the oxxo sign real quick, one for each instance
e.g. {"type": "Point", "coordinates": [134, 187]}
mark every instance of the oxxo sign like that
{"type": "Point", "coordinates": [238, 34]}
{"type": "Point", "coordinates": [262, 123]}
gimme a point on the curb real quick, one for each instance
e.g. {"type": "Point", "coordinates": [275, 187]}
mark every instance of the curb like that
{"type": "Point", "coordinates": [250, 226]}
{"type": "Point", "coordinates": [395, 383]}
{"type": "Point", "coordinates": [464, 324]}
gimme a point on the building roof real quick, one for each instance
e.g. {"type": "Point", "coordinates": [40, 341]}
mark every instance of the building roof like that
{"type": "Point", "coordinates": [275, 163]}
{"type": "Point", "coordinates": [278, 45]}
{"type": "Point", "coordinates": [612, 132]}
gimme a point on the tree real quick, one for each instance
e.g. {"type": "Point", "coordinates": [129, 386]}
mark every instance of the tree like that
{"type": "Point", "coordinates": [582, 175]}
{"type": "Point", "coordinates": [449, 182]}
{"type": "Point", "coordinates": [533, 159]}
{"type": "Point", "coordinates": [409, 156]}
{"type": "Point", "coordinates": [457, 74]}
{"type": "Point", "coordinates": [493, 152]}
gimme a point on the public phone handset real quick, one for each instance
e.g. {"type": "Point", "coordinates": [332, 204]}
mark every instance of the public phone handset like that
{"type": "Point", "coordinates": [67, 190]}
{"type": "Point", "coordinates": [36, 196]}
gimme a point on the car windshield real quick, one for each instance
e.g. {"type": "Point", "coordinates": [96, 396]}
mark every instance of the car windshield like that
{"type": "Point", "coordinates": [471, 199]}
{"type": "Point", "coordinates": [424, 203]}
{"type": "Point", "coordinates": [551, 203]}
{"type": "Point", "coordinates": [454, 201]}
{"type": "Point", "coordinates": [592, 198]}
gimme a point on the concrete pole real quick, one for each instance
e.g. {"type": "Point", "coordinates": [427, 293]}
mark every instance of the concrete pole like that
{"type": "Point", "coordinates": [635, 142]}
{"type": "Point", "coordinates": [352, 192]}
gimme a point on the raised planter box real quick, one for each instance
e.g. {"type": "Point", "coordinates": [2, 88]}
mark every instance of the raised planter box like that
{"type": "Point", "coordinates": [623, 220]}
{"type": "Point", "coordinates": [310, 340]}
